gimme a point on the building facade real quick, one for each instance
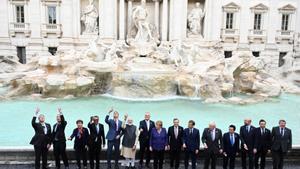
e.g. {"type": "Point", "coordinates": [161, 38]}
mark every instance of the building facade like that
{"type": "Point", "coordinates": [265, 27]}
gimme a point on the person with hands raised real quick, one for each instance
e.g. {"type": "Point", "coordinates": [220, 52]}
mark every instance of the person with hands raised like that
{"type": "Point", "coordinates": [130, 141]}
{"type": "Point", "coordinates": [59, 140]}
{"type": "Point", "coordinates": [113, 137]}
{"type": "Point", "coordinates": [41, 139]}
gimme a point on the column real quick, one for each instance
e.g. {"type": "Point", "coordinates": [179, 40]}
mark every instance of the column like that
{"type": "Point", "coordinates": [129, 15]}
{"type": "Point", "coordinates": [121, 19]}
{"type": "Point", "coordinates": [156, 14]}
{"type": "Point", "coordinates": [108, 19]}
{"type": "Point", "coordinates": [178, 19]}
{"type": "Point", "coordinates": [76, 18]}
{"type": "Point", "coordinates": [208, 20]}
{"type": "Point", "coordinates": [165, 20]}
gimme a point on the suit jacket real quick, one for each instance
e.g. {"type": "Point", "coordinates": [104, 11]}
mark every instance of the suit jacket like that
{"type": "Point", "coordinates": [97, 138]}
{"type": "Point", "coordinates": [192, 141]}
{"type": "Point", "coordinates": [212, 145]}
{"type": "Point", "coordinates": [281, 143]}
{"type": "Point", "coordinates": [113, 131]}
{"type": "Point", "coordinates": [247, 137]}
{"type": "Point", "coordinates": [80, 142]}
{"type": "Point", "coordinates": [145, 134]}
{"type": "Point", "coordinates": [175, 143]}
{"type": "Point", "coordinates": [58, 133]}
{"type": "Point", "coordinates": [228, 148]}
{"type": "Point", "coordinates": [262, 142]}
{"type": "Point", "coordinates": [40, 138]}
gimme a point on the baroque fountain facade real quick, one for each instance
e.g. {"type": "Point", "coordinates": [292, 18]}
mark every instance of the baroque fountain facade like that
{"type": "Point", "coordinates": [145, 66]}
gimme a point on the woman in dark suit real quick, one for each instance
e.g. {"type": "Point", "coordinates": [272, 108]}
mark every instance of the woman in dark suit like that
{"type": "Point", "coordinates": [158, 144]}
{"type": "Point", "coordinates": [81, 135]}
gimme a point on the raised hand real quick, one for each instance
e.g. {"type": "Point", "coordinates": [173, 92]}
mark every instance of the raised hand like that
{"type": "Point", "coordinates": [37, 110]}
{"type": "Point", "coordinates": [111, 110]}
{"type": "Point", "coordinates": [59, 110]}
{"type": "Point", "coordinates": [125, 116]}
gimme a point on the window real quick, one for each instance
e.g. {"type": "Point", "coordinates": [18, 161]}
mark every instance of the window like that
{"type": "Point", "coordinates": [228, 54]}
{"type": "Point", "coordinates": [255, 53]}
{"type": "Point", "coordinates": [52, 50]}
{"type": "Point", "coordinates": [51, 14]}
{"type": "Point", "coordinates": [229, 21]}
{"type": "Point", "coordinates": [285, 22]}
{"type": "Point", "coordinates": [20, 14]}
{"type": "Point", "coordinates": [257, 21]}
{"type": "Point", "coordinates": [21, 52]}
{"type": "Point", "coordinates": [281, 60]}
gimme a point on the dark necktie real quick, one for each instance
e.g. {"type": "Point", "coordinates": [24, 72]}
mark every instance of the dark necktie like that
{"type": "Point", "coordinates": [281, 132]}
{"type": "Point", "coordinates": [191, 131]}
{"type": "Point", "coordinates": [45, 129]}
{"type": "Point", "coordinates": [116, 125]}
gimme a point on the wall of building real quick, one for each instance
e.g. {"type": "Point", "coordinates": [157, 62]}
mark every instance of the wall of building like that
{"type": "Point", "coordinates": [173, 26]}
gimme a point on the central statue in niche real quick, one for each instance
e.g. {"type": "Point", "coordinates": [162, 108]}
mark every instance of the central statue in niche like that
{"type": "Point", "coordinates": [142, 35]}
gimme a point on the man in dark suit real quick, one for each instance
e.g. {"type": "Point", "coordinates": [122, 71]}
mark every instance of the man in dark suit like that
{"type": "Point", "coordinates": [212, 141]}
{"type": "Point", "coordinates": [246, 135]}
{"type": "Point", "coordinates": [145, 128]}
{"type": "Point", "coordinates": [59, 140]}
{"type": "Point", "coordinates": [96, 140]}
{"type": "Point", "coordinates": [281, 144]}
{"type": "Point", "coordinates": [113, 137]}
{"type": "Point", "coordinates": [191, 144]}
{"type": "Point", "coordinates": [231, 146]}
{"type": "Point", "coordinates": [41, 139]}
{"type": "Point", "coordinates": [262, 144]}
{"type": "Point", "coordinates": [175, 137]}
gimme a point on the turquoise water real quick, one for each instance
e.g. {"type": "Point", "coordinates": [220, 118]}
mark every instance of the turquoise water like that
{"type": "Point", "coordinates": [16, 115]}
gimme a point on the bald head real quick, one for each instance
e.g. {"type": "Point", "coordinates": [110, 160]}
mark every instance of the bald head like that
{"type": "Point", "coordinates": [212, 125]}
{"type": "Point", "coordinates": [41, 118]}
{"type": "Point", "coordinates": [247, 121]}
{"type": "Point", "coordinates": [129, 120]}
{"type": "Point", "coordinates": [147, 116]}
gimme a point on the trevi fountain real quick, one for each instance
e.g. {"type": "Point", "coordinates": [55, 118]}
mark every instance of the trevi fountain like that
{"type": "Point", "coordinates": [153, 73]}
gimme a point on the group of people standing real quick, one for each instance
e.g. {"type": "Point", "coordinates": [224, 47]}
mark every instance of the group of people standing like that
{"type": "Point", "coordinates": [252, 143]}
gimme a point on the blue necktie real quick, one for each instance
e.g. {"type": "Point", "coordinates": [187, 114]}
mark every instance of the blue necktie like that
{"type": "Point", "coordinates": [231, 139]}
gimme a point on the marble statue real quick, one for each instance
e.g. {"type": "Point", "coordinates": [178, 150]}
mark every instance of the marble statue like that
{"type": "Point", "coordinates": [139, 17]}
{"type": "Point", "coordinates": [195, 18]}
{"type": "Point", "coordinates": [175, 55]}
{"type": "Point", "coordinates": [143, 35]}
{"type": "Point", "coordinates": [90, 18]}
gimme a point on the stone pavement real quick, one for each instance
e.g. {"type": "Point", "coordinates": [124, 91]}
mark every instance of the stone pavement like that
{"type": "Point", "coordinates": [289, 165]}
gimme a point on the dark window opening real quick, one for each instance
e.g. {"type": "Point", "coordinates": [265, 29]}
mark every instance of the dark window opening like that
{"type": "Point", "coordinates": [228, 54]}
{"type": "Point", "coordinates": [21, 53]}
{"type": "Point", "coordinates": [20, 14]}
{"type": "Point", "coordinates": [229, 21]}
{"type": "Point", "coordinates": [256, 54]}
{"type": "Point", "coordinates": [281, 60]}
{"type": "Point", "coordinates": [52, 50]}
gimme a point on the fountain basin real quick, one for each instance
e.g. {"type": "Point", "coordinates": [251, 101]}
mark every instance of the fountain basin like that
{"type": "Point", "coordinates": [20, 111]}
